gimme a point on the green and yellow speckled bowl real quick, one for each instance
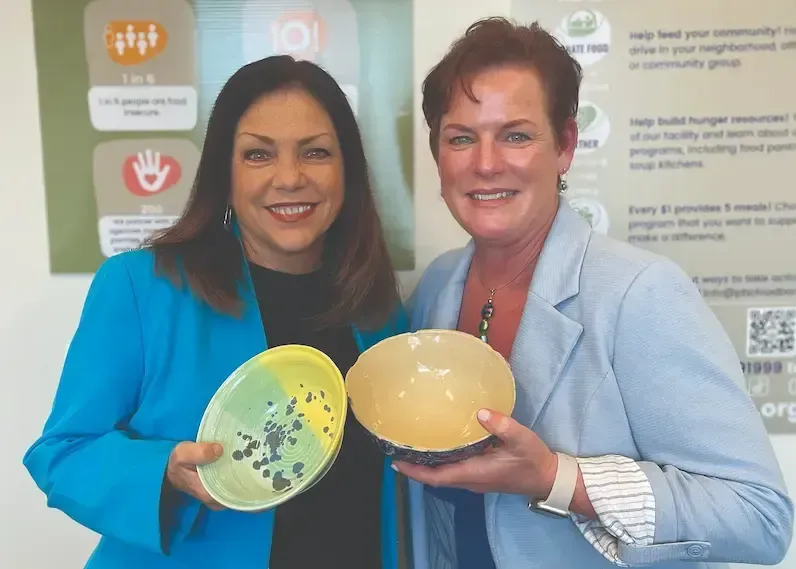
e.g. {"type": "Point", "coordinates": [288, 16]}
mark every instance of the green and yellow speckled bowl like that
{"type": "Point", "coordinates": [280, 419]}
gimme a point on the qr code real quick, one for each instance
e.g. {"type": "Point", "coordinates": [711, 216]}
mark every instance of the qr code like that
{"type": "Point", "coordinates": [771, 332]}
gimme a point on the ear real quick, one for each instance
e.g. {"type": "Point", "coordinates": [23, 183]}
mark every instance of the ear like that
{"type": "Point", "coordinates": [568, 141]}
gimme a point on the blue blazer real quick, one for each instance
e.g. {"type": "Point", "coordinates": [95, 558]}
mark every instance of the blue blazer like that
{"type": "Point", "coordinates": [144, 362]}
{"type": "Point", "coordinates": [617, 353]}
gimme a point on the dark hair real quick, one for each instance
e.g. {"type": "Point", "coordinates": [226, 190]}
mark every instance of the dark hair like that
{"type": "Point", "coordinates": [210, 257]}
{"type": "Point", "coordinates": [496, 41]}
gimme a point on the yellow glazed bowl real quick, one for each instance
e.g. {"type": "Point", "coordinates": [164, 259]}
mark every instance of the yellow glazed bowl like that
{"type": "Point", "coordinates": [418, 394]}
{"type": "Point", "coordinates": [280, 418]}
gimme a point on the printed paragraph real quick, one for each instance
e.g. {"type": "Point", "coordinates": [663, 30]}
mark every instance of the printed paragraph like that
{"type": "Point", "coordinates": [691, 142]}
{"type": "Point", "coordinates": [705, 49]}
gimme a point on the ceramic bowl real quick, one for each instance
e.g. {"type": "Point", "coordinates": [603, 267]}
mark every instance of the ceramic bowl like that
{"type": "Point", "coordinates": [280, 419]}
{"type": "Point", "coordinates": [418, 394]}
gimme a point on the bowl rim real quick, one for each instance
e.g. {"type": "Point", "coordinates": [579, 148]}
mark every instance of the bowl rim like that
{"type": "Point", "coordinates": [426, 332]}
{"type": "Point", "coordinates": [309, 481]}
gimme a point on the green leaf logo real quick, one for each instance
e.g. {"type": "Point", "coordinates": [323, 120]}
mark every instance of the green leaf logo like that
{"type": "Point", "coordinates": [582, 23]}
{"type": "Point", "coordinates": [586, 116]}
{"type": "Point", "coordinates": [585, 213]}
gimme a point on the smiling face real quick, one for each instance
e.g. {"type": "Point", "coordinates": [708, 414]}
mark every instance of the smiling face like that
{"type": "Point", "coordinates": [499, 159]}
{"type": "Point", "coordinates": [287, 180]}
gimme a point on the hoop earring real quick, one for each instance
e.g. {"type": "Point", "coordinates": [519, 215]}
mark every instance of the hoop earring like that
{"type": "Point", "coordinates": [228, 218]}
{"type": "Point", "coordinates": [562, 184]}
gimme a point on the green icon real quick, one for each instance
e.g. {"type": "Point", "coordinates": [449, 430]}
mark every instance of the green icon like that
{"type": "Point", "coordinates": [585, 213]}
{"type": "Point", "coordinates": [582, 23]}
{"type": "Point", "coordinates": [587, 114]}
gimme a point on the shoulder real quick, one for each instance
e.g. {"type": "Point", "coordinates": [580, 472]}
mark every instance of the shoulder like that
{"type": "Point", "coordinates": [432, 282]}
{"type": "Point", "coordinates": [134, 273]}
{"type": "Point", "coordinates": [118, 272]}
{"type": "Point", "coordinates": [446, 263]}
{"type": "Point", "coordinates": [439, 271]}
{"type": "Point", "coordinates": [642, 291]}
{"type": "Point", "coordinates": [135, 265]}
{"type": "Point", "coordinates": [617, 259]}
{"type": "Point", "coordinates": [614, 267]}
{"type": "Point", "coordinates": [623, 287]}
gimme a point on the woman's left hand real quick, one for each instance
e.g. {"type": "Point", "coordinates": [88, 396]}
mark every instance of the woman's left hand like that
{"type": "Point", "coordinates": [520, 464]}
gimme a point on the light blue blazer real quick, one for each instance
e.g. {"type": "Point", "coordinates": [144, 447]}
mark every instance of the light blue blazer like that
{"type": "Point", "coordinates": [616, 353]}
{"type": "Point", "coordinates": [144, 362]}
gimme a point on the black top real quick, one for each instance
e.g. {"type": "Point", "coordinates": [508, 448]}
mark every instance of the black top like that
{"type": "Point", "coordinates": [336, 523]}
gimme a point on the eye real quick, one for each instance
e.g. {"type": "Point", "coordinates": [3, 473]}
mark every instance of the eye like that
{"type": "Point", "coordinates": [460, 140]}
{"type": "Point", "coordinates": [318, 153]}
{"type": "Point", "coordinates": [517, 137]}
{"type": "Point", "coordinates": [256, 155]}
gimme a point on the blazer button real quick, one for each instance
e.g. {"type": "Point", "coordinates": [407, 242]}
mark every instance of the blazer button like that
{"type": "Point", "coordinates": [695, 551]}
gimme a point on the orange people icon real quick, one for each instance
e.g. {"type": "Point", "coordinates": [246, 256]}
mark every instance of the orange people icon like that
{"type": "Point", "coordinates": [134, 42]}
{"type": "Point", "coordinates": [300, 34]}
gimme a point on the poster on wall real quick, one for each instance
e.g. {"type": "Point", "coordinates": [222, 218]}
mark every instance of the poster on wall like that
{"type": "Point", "coordinates": [687, 128]}
{"type": "Point", "coordinates": [126, 90]}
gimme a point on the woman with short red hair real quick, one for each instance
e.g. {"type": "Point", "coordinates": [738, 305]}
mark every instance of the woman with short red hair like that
{"type": "Point", "coordinates": [631, 442]}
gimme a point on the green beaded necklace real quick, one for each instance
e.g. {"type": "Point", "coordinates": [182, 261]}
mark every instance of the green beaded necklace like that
{"type": "Point", "coordinates": [488, 310]}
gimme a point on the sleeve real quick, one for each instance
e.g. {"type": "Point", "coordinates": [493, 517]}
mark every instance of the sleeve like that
{"type": "Point", "coordinates": [622, 498]}
{"type": "Point", "coordinates": [86, 461]}
{"type": "Point", "coordinates": [718, 489]}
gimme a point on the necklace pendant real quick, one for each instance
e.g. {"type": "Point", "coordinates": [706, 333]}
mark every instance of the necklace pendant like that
{"type": "Point", "coordinates": [487, 312]}
{"type": "Point", "coordinates": [483, 328]}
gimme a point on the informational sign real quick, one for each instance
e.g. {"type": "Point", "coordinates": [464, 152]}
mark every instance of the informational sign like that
{"type": "Point", "coordinates": [126, 89]}
{"type": "Point", "coordinates": [141, 65]}
{"type": "Point", "coordinates": [141, 186]}
{"type": "Point", "coordinates": [303, 29]}
{"type": "Point", "coordinates": [687, 148]}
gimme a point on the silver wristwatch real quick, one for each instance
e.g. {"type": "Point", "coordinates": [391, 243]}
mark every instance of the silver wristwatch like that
{"type": "Point", "coordinates": [557, 504]}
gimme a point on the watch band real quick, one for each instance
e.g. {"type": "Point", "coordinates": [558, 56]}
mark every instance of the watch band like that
{"type": "Point", "coordinates": [560, 498]}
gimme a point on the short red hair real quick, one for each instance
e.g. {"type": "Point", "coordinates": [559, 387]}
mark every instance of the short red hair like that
{"type": "Point", "coordinates": [492, 42]}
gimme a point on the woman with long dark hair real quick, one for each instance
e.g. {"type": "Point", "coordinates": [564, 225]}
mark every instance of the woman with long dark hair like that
{"type": "Point", "coordinates": [280, 243]}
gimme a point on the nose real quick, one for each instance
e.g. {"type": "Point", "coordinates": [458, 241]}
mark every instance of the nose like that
{"type": "Point", "coordinates": [488, 160]}
{"type": "Point", "coordinates": [288, 175]}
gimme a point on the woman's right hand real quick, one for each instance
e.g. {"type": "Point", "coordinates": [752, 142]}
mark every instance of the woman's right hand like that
{"type": "Point", "coordinates": [181, 471]}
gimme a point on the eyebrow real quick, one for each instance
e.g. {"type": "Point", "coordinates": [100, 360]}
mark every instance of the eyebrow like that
{"type": "Point", "coordinates": [268, 140]}
{"type": "Point", "coordinates": [510, 124]}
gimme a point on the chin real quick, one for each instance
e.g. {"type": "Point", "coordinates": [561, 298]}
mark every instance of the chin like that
{"type": "Point", "coordinates": [490, 236]}
{"type": "Point", "coordinates": [486, 231]}
{"type": "Point", "coordinates": [297, 246]}
{"type": "Point", "coordinates": [485, 225]}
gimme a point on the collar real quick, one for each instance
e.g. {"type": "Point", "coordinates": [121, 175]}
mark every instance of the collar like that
{"type": "Point", "coordinates": [557, 274]}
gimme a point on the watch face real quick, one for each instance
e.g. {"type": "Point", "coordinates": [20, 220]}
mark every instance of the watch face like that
{"type": "Point", "coordinates": [547, 511]}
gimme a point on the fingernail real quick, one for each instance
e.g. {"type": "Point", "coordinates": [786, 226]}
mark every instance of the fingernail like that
{"type": "Point", "coordinates": [484, 415]}
{"type": "Point", "coordinates": [218, 449]}
{"type": "Point", "coordinates": [395, 468]}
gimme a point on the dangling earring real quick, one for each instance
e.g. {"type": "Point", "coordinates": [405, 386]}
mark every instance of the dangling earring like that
{"type": "Point", "coordinates": [228, 218]}
{"type": "Point", "coordinates": [562, 184]}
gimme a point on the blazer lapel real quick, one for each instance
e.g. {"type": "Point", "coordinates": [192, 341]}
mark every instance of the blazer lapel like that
{"type": "Point", "coordinates": [444, 314]}
{"type": "Point", "coordinates": [546, 337]}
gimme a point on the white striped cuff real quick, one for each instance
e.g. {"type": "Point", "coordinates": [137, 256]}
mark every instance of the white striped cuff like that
{"type": "Point", "coordinates": [622, 497]}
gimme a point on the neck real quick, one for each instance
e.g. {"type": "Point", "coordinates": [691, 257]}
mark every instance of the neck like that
{"type": "Point", "coordinates": [499, 263]}
{"type": "Point", "coordinates": [299, 263]}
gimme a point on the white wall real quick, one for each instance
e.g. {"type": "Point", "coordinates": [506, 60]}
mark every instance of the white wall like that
{"type": "Point", "coordinates": [38, 312]}
{"type": "Point", "coordinates": [35, 326]}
